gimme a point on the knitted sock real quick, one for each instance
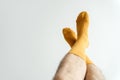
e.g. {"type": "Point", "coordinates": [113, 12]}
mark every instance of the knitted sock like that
{"type": "Point", "coordinates": [71, 38]}
{"type": "Point", "coordinates": [81, 43]}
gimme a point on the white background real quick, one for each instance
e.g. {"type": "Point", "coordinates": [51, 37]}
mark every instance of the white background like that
{"type": "Point", "coordinates": [31, 41]}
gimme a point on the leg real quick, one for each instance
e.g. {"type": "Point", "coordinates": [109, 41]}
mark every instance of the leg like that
{"type": "Point", "coordinates": [71, 67]}
{"type": "Point", "coordinates": [93, 72]}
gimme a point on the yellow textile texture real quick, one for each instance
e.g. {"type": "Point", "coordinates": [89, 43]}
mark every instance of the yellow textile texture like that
{"type": "Point", "coordinates": [78, 42]}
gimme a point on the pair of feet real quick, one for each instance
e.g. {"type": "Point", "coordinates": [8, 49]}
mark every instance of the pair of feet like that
{"type": "Point", "coordinates": [80, 41]}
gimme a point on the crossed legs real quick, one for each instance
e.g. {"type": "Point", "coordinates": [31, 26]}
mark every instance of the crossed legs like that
{"type": "Point", "coordinates": [76, 65]}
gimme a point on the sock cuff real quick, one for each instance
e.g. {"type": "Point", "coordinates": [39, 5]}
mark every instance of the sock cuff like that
{"type": "Point", "coordinates": [77, 53]}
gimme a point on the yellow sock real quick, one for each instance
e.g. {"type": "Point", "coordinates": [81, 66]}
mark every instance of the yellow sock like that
{"type": "Point", "coordinates": [80, 45]}
{"type": "Point", "coordinates": [88, 61]}
{"type": "Point", "coordinates": [82, 23]}
{"type": "Point", "coordinates": [71, 38]}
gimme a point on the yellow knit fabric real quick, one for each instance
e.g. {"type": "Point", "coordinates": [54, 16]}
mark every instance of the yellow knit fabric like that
{"type": "Point", "coordinates": [69, 36]}
{"type": "Point", "coordinates": [80, 42]}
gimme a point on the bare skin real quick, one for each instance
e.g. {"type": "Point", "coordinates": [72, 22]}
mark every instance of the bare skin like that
{"type": "Point", "coordinates": [93, 73]}
{"type": "Point", "coordinates": [77, 66]}
{"type": "Point", "coordinates": [72, 67]}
